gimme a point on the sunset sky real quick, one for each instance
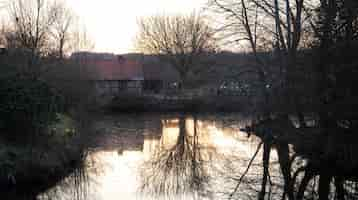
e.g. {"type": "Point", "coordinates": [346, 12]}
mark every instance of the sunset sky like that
{"type": "Point", "coordinates": [112, 24]}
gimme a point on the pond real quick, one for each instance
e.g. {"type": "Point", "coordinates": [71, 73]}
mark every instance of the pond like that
{"type": "Point", "coordinates": [176, 156]}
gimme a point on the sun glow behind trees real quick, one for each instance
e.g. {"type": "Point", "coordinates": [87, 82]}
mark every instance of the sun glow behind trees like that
{"type": "Point", "coordinates": [113, 23]}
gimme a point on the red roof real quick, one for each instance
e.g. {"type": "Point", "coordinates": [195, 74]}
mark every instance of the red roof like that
{"type": "Point", "coordinates": [116, 68]}
{"type": "Point", "coordinates": [131, 70]}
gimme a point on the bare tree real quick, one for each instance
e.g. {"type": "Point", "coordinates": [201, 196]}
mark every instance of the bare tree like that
{"type": "Point", "coordinates": [80, 38]}
{"type": "Point", "coordinates": [258, 22]}
{"type": "Point", "coordinates": [32, 21]}
{"type": "Point", "coordinates": [243, 22]}
{"type": "Point", "coordinates": [182, 41]}
{"type": "Point", "coordinates": [61, 30]}
{"type": "Point", "coordinates": [280, 21]}
{"type": "Point", "coordinates": [46, 28]}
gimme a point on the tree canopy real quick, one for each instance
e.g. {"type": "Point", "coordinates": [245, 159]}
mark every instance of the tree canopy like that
{"type": "Point", "coordinates": [183, 41]}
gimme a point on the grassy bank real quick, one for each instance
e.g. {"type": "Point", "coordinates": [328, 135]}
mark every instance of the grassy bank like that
{"type": "Point", "coordinates": [25, 167]}
{"type": "Point", "coordinates": [42, 121]}
{"type": "Point", "coordinates": [32, 168]}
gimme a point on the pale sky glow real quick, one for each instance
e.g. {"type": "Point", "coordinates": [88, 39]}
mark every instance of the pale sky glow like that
{"type": "Point", "coordinates": [112, 24]}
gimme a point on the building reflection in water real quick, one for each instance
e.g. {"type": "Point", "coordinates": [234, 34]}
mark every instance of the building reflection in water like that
{"type": "Point", "coordinates": [179, 157]}
{"type": "Point", "coordinates": [190, 155]}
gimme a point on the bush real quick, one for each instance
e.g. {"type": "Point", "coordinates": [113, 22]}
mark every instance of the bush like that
{"type": "Point", "coordinates": [27, 105]}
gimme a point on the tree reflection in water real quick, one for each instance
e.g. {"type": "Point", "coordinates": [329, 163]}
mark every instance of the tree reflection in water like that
{"type": "Point", "coordinates": [74, 187]}
{"type": "Point", "coordinates": [194, 160]}
{"type": "Point", "coordinates": [177, 166]}
{"type": "Point", "coordinates": [208, 157]}
{"type": "Point", "coordinates": [316, 167]}
{"type": "Point", "coordinates": [278, 168]}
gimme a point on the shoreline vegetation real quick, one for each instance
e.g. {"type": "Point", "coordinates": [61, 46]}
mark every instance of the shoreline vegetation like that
{"type": "Point", "coordinates": [32, 168]}
{"type": "Point", "coordinates": [179, 103]}
{"type": "Point", "coordinates": [43, 122]}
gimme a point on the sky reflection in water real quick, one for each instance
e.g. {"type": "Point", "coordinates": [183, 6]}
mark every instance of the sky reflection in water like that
{"type": "Point", "coordinates": [175, 157]}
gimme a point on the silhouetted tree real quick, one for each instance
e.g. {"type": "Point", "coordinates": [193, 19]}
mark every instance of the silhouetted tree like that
{"type": "Point", "coordinates": [337, 36]}
{"type": "Point", "coordinates": [182, 41]}
{"type": "Point", "coordinates": [255, 23]}
{"type": "Point", "coordinates": [80, 39]}
{"type": "Point", "coordinates": [45, 28]}
{"type": "Point", "coordinates": [32, 21]}
{"type": "Point", "coordinates": [61, 30]}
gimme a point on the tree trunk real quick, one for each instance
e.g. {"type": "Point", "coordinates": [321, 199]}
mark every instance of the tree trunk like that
{"type": "Point", "coordinates": [284, 160]}
{"type": "Point", "coordinates": [338, 182]}
{"type": "Point", "coordinates": [324, 186]}
{"type": "Point", "coordinates": [302, 188]}
{"type": "Point", "coordinates": [266, 162]}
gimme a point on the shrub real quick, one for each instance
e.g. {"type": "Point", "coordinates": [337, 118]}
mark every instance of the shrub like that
{"type": "Point", "coordinates": [27, 105]}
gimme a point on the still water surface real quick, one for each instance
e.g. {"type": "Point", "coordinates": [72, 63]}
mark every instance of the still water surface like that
{"type": "Point", "coordinates": [176, 156]}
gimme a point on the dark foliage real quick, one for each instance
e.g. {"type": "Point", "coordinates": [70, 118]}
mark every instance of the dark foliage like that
{"type": "Point", "coordinates": [336, 63]}
{"type": "Point", "coordinates": [27, 105]}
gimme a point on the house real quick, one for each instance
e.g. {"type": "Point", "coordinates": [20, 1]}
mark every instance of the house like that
{"type": "Point", "coordinates": [158, 76]}
{"type": "Point", "coordinates": [147, 74]}
{"type": "Point", "coordinates": [128, 73]}
{"type": "Point", "coordinates": [111, 74]}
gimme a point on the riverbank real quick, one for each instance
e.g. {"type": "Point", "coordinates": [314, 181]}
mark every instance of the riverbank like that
{"type": "Point", "coordinates": [25, 169]}
{"type": "Point", "coordinates": [31, 167]}
{"type": "Point", "coordinates": [180, 104]}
